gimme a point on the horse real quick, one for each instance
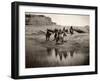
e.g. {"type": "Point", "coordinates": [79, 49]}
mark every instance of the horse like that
{"type": "Point", "coordinates": [60, 36]}
{"type": "Point", "coordinates": [48, 34]}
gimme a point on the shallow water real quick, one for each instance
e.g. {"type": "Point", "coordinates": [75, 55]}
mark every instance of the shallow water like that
{"type": "Point", "coordinates": [51, 57]}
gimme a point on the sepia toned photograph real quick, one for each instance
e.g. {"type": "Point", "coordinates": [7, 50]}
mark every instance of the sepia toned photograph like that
{"type": "Point", "coordinates": [54, 39]}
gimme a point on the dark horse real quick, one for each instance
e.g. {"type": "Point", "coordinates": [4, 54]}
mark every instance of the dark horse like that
{"type": "Point", "coordinates": [48, 34]}
{"type": "Point", "coordinates": [55, 34]}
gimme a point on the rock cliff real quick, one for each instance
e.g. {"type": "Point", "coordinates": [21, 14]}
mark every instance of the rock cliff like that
{"type": "Point", "coordinates": [38, 20]}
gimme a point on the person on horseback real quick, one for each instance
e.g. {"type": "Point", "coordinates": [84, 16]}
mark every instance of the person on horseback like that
{"type": "Point", "coordinates": [55, 34]}
{"type": "Point", "coordinates": [59, 37]}
{"type": "Point", "coordinates": [64, 31]}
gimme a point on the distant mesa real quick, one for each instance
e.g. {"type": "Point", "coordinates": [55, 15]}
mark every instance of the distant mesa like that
{"type": "Point", "coordinates": [84, 29]}
{"type": "Point", "coordinates": [38, 20]}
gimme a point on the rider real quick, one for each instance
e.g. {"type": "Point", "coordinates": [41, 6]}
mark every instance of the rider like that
{"type": "Point", "coordinates": [56, 34]}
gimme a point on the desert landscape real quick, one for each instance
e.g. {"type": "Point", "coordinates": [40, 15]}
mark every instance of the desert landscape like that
{"type": "Point", "coordinates": [41, 53]}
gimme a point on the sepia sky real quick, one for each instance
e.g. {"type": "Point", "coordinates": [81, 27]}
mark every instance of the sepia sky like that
{"type": "Point", "coordinates": [67, 19]}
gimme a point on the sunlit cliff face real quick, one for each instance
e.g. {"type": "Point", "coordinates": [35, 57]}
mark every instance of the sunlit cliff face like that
{"type": "Point", "coordinates": [62, 19]}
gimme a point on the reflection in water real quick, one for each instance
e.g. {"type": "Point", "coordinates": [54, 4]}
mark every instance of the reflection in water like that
{"type": "Point", "coordinates": [71, 53]}
{"type": "Point", "coordinates": [49, 51]}
{"type": "Point", "coordinates": [50, 57]}
{"type": "Point", "coordinates": [61, 54]}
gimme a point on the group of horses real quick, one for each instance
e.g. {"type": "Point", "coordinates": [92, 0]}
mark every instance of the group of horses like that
{"type": "Point", "coordinates": [58, 34]}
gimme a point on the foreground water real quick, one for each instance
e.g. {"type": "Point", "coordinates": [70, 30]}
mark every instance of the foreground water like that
{"type": "Point", "coordinates": [50, 57]}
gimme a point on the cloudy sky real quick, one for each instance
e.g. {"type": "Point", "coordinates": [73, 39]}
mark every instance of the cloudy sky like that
{"type": "Point", "coordinates": [67, 19]}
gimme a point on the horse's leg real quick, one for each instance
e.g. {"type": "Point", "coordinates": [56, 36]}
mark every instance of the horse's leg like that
{"type": "Point", "coordinates": [62, 39]}
{"type": "Point", "coordinates": [54, 37]}
{"type": "Point", "coordinates": [56, 40]}
{"type": "Point", "coordinates": [46, 37]}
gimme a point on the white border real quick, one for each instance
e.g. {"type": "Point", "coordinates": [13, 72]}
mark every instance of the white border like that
{"type": "Point", "coordinates": [53, 70]}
